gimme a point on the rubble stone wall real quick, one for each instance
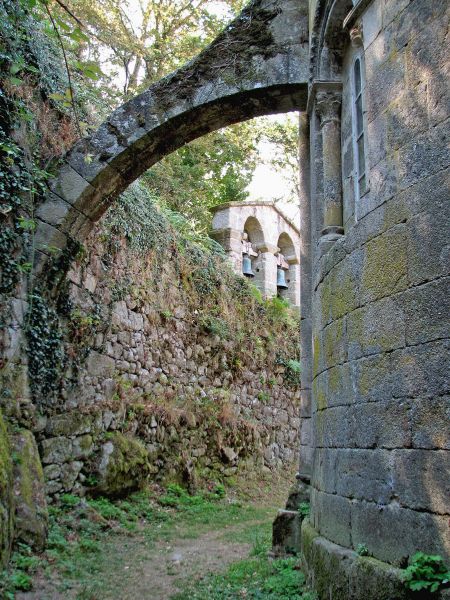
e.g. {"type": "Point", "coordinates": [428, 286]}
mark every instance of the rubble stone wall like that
{"type": "Point", "coordinates": [155, 368]}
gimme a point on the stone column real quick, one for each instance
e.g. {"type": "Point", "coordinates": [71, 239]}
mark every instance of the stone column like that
{"type": "Point", "coordinates": [328, 108]}
{"type": "Point", "coordinates": [293, 277]}
{"type": "Point", "coordinates": [306, 445]}
{"type": "Point", "coordinates": [231, 241]}
{"type": "Point", "coordinates": [268, 262]}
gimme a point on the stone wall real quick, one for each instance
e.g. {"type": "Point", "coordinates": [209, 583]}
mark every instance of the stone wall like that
{"type": "Point", "coordinates": [192, 374]}
{"type": "Point", "coordinates": [380, 303]}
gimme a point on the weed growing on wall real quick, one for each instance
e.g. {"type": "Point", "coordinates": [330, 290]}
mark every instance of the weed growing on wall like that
{"type": "Point", "coordinates": [427, 572]}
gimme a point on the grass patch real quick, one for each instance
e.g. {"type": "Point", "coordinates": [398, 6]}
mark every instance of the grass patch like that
{"type": "Point", "coordinates": [82, 535]}
{"type": "Point", "coordinates": [255, 578]}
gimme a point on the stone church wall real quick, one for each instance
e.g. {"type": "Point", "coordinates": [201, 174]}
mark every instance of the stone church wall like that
{"type": "Point", "coordinates": [380, 307]}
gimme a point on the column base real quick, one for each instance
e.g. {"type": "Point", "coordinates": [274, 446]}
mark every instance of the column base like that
{"type": "Point", "coordinates": [329, 237]}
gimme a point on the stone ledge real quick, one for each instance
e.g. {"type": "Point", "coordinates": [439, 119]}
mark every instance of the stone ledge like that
{"type": "Point", "coordinates": [337, 573]}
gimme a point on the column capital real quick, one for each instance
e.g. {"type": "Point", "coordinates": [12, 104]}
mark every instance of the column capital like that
{"type": "Point", "coordinates": [266, 247]}
{"type": "Point", "coordinates": [328, 106]}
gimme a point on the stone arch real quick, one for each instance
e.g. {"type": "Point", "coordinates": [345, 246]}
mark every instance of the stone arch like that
{"type": "Point", "coordinates": [329, 39]}
{"type": "Point", "coordinates": [254, 67]}
{"type": "Point", "coordinates": [288, 255]}
{"type": "Point", "coordinates": [255, 233]}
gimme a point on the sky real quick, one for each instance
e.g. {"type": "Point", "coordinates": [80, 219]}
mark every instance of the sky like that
{"type": "Point", "coordinates": [268, 184]}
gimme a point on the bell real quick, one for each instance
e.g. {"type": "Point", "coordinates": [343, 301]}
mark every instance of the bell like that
{"type": "Point", "coordinates": [247, 266]}
{"type": "Point", "coordinates": [281, 279]}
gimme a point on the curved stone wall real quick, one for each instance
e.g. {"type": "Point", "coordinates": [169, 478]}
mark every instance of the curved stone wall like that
{"type": "Point", "coordinates": [380, 300]}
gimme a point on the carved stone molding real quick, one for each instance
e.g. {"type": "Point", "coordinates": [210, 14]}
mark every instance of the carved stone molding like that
{"type": "Point", "coordinates": [356, 36]}
{"type": "Point", "coordinates": [328, 106]}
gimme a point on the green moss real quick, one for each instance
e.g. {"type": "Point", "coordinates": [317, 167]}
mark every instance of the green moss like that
{"type": "Point", "coordinates": [5, 455]}
{"type": "Point", "coordinates": [332, 341]}
{"type": "Point", "coordinates": [30, 466]}
{"type": "Point", "coordinates": [6, 496]}
{"type": "Point", "coordinates": [30, 504]}
{"type": "Point", "coordinates": [334, 379]}
{"type": "Point", "coordinates": [385, 265]}
{"type": "Point", "coordinates": [374, 371]}
{"type": "Point", "coordinates": [316, 357]}
{"type": "Point", "coordinates": [128, 466]}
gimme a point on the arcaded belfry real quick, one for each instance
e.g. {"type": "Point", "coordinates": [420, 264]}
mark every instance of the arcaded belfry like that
{"type": "Point", "coordinates": [370, 80]}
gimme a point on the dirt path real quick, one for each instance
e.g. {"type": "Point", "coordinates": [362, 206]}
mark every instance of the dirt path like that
{"type": "Point", "coordinates": [158, 559]}
{"type": "Point", "coordinates": [135, 571]}
{"type": "Point", "coordinates": [162, 573]}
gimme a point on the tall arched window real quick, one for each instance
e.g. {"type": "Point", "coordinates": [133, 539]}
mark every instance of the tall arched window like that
{"type": "Point", "coordinates": [358, 130]}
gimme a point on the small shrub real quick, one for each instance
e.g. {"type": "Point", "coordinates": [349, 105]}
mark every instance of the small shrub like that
{"type": "Point", "coordinates": [304, 509]}
{"type": "Point", "coordinates": [21, 581]}
{"type": "Point", "coordinates": [215, 326]}
{"type": "Point", "coordinates": [362, 550]}
{"type": "Point", "coordinates": [263, 397]}
{"type": "Point", "coordinates": [426, 572]}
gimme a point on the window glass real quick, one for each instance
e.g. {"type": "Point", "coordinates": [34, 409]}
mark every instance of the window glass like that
{"type": "Point", "coordinates": [358, 130]}
{"type": "Point", "coordinates": [357, 76]}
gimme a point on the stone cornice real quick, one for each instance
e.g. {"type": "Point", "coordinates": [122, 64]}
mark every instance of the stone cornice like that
{"type": "Point", "coordinates": [265, 203]}
{"type": "Point", "coordinates": [355, 13]}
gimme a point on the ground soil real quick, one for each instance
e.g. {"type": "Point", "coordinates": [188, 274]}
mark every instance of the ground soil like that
{"type": "Point", "coordinates": [133, 567]}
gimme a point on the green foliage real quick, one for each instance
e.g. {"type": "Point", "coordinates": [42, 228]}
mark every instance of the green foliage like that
{"type": "Point", "coordinates": [304, 509]}
{"type": "Point", "coordinates": [135, 218]}
{"type": "Point", "coordinates": [426, 572]}
{"type": "Point", "coordinates": [362, 550]}
{"type": "Point", "coordinates": [255, 578]}
{"type": "Point", "coordinates": [279, 310]}
{"type": "Point", "coordinates": [263, 397]}
{"type": "Point", "coordinates": [210, 171]}
{"type": "Point", "coordinates": [215, 326]}
{"type": "Point", "coordinates": [45, 349]}
{"type": "Point", "coordinates": [177, 497]}
{"type": "Point", "coordinates": [292, 370]}
{"type": "Point", "coordinates": [19, 576]}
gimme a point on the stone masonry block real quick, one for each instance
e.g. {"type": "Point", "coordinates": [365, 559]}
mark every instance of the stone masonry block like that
{"type": "Point", "coordinates": [375, 328]}
{"type": "Point", "coordinates": [421, 369]}
{"type": "Point", "coordinates": [56, 450]}
{"type": "Point", "coordinates": [429, 255]}
{"type": "Point", "coordinates": [407, 117]}
{"type": "Point", "coordinates": [338, 293]}
{"type": "Point", "coordinates": [364, 474]}
{"type": "Point", "coordinates": [427, 311]}
{"type": "Point", "coordinates": [339, 389]}
{"type": "Point", "coordinates": [424, 155]}
{"type": "Point", "coordinates": [417, 17]}
{"type": "Point", "coordinates": [333, 428]}
{"type": "Point", "coordinates": [382, 424]}
{"type": "Point", "coordinates": [332, 514]}
{"type": "Point", "coordinates": [421, 479]}
{"type": "Point", "coordinates": [48, 237]}
{"type": "Point", "coordinates": [376, 525]}
{"type": "Point", "coordinates": [324, 473]}
{"type": "Point", "coordinates": [70, 186]}
{"type": "Point", "coordinates": [385, 83]}
{"type": "Point", "coordinates": [405, 373]}
{"type": "Point", "coordinates": [429, 422]}
{"type": "Point", "coordinates": [335, 343]}
{"type": "Point", "coordinates": [385, 265]}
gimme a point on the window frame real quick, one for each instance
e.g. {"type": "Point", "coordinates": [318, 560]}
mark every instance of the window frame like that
{"type": "Point", "coordinates": [359, 130]}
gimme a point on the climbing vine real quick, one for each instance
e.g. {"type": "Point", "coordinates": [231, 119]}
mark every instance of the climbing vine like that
{"type": "Point", "coordinates": [46, 354]}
